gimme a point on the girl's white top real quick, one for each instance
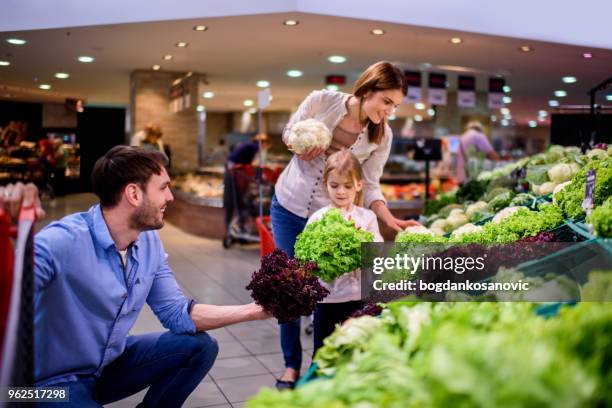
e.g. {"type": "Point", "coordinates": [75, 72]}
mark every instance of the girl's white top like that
{"type": "Point", "coordinates": [348, 286]}
{"type": "Point", "coordinates": [298, 188]}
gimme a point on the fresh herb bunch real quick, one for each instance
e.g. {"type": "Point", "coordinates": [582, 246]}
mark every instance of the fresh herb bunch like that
{"type": "Point", "coordinates": [333, 243]}
{"type": "Point", "coordinates": [286, 288]}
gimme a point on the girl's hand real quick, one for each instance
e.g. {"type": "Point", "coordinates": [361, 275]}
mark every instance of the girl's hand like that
{"type": "Point", "coordinates": [400, 225]}
{"type": "Point", "coordinates": [309, 154]}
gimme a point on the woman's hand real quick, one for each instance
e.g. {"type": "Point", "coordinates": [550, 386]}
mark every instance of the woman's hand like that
{"type": "Point", "coordinates": [309, 154]}
{"type": "Point", "coordinates": [400, 225]}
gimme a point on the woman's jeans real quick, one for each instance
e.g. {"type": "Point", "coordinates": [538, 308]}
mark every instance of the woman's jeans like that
{"type": "Point", "coordinates": [285, 228]}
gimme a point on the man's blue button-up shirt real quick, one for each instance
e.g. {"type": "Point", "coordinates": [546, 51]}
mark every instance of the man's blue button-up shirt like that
{"type": "Point", "coordinates": [85, 303]}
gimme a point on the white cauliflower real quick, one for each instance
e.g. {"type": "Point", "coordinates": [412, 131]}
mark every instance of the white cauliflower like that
{"type": "Point", "coordinates": [504, 214]}
{"type": "Point", "coordinates": [561, 172]}
{"type": "Point", "coordinates": [559, 188]}
{"type": "Point", "coordinates": [466, 229]}
{"type": "Point", "coordinates": [547, 188]}
{"type": "Point", "coordinates": [307, 134]}
{"type": "Point", "coordinates": [456, 211]}
{"type": "Point", "coordinates": [419, 229]}
{"type": "Point", "coordinates": [438, 231]}
{"type": "Point", "coordinates": [440, 224]}
{"type": "Point", "coordinates": [472, 209]}
{"type": "Point", "coordinates": [597, 154]}
{"type": "Point", "coordinates": [457, 219]}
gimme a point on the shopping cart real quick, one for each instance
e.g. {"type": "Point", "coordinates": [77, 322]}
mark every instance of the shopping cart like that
{"type": "Point", "coordinates": [16, 301]}
{"type": "Point", "coordinates": [250, 190]}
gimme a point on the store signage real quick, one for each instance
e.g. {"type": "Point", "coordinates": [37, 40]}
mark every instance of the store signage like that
{"type": "Point", "coordinates": [180, 93]}
{"type": "Point", "coordinates": [466, 91]}
{"type": "Point", "coordinates": [413, 80]}
{"type": "Point", "coordinates": [335, 80]}
{"type": "Point", "coordinates": [587, 204]}
{"type": "Point", "coordinates": [263, 98]}
{"type": "Point", "coordinates": [496, 93]}
{"type": "Point", "coordinates": [437, 89]}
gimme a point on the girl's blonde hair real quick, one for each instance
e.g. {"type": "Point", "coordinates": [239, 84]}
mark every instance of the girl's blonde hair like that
{"type": "Point", "coordinates": [345, 163]}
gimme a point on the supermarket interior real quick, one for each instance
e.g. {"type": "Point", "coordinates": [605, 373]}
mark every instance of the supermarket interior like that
{"type": "Point", "coordinates": [466, 131]}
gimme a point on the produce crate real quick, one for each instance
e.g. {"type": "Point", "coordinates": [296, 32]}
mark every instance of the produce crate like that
{"type": "Point", "coordinates": [581, 228]}
{"type": "Point", "coordinates": [567, 233]}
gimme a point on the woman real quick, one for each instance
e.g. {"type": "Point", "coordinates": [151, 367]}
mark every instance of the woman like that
{"type": "Point", "coordinates": [358, 123]}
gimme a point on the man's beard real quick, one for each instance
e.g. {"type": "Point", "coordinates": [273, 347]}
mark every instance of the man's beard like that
{"type": "Point", "coordinates": [145, 218]}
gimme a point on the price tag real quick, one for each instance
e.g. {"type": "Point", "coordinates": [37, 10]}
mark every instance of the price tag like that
{"type": "Point", "coordinates": [588, 203]}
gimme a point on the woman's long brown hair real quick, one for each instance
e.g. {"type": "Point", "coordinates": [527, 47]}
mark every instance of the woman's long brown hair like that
{"type": "Point", "coordinates": [380, 76]}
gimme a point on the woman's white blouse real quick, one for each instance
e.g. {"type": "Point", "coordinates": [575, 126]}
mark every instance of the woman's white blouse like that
{"type": "Point", "coordinates": [298, 188]}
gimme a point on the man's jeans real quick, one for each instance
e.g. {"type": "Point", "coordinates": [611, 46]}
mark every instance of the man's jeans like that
{"type": "Point", "coordinates": [171, 365]}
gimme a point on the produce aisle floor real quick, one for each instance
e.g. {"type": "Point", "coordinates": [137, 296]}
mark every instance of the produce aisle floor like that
{"type": "Point", "coordinates": [250, 356]}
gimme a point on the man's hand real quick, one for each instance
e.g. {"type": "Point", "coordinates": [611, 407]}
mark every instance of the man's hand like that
{"type": "Point", "coordinates": [210, 317]}
{"type": "Point", "coordinates": [15, 196]}
{"type": "Point", "coordinates": [257, 312]}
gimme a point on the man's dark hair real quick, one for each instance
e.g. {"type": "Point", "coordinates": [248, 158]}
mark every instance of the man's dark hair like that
{"type": "Point", "coordinates": [121, 166]}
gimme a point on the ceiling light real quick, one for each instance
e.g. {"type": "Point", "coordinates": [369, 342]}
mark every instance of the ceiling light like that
{"type": "Point", "coordinates": [86, 59]}
{"type": "Point", "coordinates": [392, 117]}
{"type": "Point", "coordinates": [608, 97]}
{"type": "Point", "coordinates": [182, 44]}
{"type": "Point", "coordinates": [337, 59]}
{"type": "Point", "coordinates": [587, 55]}
{"type": "Point", "coordinates": [248, 102]}
{"type": "Point", "coordinates": [291, 23]}
{"type": "Point", "coordinates": [525, 48]}
{"type": "Point", "coordinates": [456, 40]}
{"type": "Point", "coordinates": [505, 122]}
{"type": "Point", "coordinates": [533, 123]}
{"type": "Point", "coordinates": [263, 84]}
{"type": "Point", "coordinates": [16, 41]}
{"type": "Point", "coordinates": [46, 87]}
{"type": "Point", "coordinates": [431, 112]}
{"type": "Point", "coordinates": [208, 95]}
{"type": "Point", "coordinates": [4, 63]}
{"type": "Point", "coordinates": [507, 89]}
{"type": "Point", "coordinates": [493, 118]}
{"type": "Point", "coordinates": [507, 99]}
{"type": "Point", "coordinates": [200, 28]}
{"type": "Point", "coordinates": [332, 87]}
{"type": "Point", "coordinates": [542, 113]}
{"type": "Point", "coordinates": [504, 111]}
{"type": "Point", "coordinates": [156, 67]}
{"type": "Point", "coordinates": [378, 31]}
{"type": "Point", "coordinates": [553, 103]}
{"type": "Point", "coordinates": [294, 73]}
{"type": "Point", "coordinates": [200, 108]}
{"type": "Point", "coordinates": [569, 79]}
{"type": "Point", "coordinates": [168, 57]}
{"type": "Point", "coordinates": [62, 75]}
{"type": "Point", "coordinates": [418, 118]}
{"type": "Point", "coordinates": [560, 93]}
{"type": "Point", "coordinates": [419, 105]}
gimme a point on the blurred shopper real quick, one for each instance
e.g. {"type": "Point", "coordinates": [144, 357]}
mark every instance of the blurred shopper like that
{"type": "Point", "coordinates": [139, 137]}
{"type": "Point", "coordinates": [473, 141]}
{"type": "Point", "coordinates": [93, 273]}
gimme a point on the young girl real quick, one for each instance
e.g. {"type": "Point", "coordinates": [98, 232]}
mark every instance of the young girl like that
{"type": "Point", "coordinates": [343, 183]}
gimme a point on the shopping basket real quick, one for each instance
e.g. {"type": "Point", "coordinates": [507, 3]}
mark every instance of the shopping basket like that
{"type": "Point", "coordinates": [265, 236]}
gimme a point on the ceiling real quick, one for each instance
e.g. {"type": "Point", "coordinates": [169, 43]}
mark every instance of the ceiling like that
{"type": "Point", "coordinates": [237, 51]}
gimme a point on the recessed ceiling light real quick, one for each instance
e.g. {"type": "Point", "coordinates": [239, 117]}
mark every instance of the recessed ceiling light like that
{"type": "Point", "coordinates": [4, 63]}
{"type": "Point", "coordinates": [291, 23]}
{"type": "Point", "coordinates": [156, 67]}
{"type": "Point", "coordinates": [419, 105]}
{"type": "Point", "coordinates": [587, 55]}
{"type": "Point", "coordinates": [16, 41]}
{"type": "Point", "coordinates": [493, 118]}
{"type": "Point", "coordinates": [294, 73]}
{"type": "Point", "coordinates": [200, 108]}
{"type": "Point", "coordinates": [337, 59]}
{"type": "Point", "coordinates": [608, 97]}
{"type": "Point", "coordinates": [526, 48]}
{"type": "Point", "coordinates": [168, 57]}
{"type": "Point", "coordinates": [560, 93]}
{"type": "Point", "coordinates": [505, 122]}
{"type": "Point", "coordinates": [418, 118]}
{"type": "Point", "coordinates": [46, 87]}
{"type": "Point", "coordinates": [569, 79]}
{"type": "Point", "coordinates": [533, 123]}
{"type": "Point", "coordinates": [553, 103]}
{"type": "Point", "coordinates": [504, 111]}
{"type": "Point", "coordinates": [456, 40]}
{"type": "Point", "coordinates": [62, 75]}
{"type": "Point", "coordinates": [431, 112]}
{"type": "Point", "coordinates": [248, 102]}
{"type": "Point", "coordinates": [332, 87]}
{"type": "Point", "coordinates": [263, 84]}
{"type": "Point", "coordinates": [507, 89]}
{"type": "Point", "coordinates": [182, 44]}
{"type": "Point", "coordinates": [200, 28]}
{"type": "Point", "coordinates": [208, 94]}
{"type": "Point", "coordinates": [86, 59]}
{"type": "Point", "coordinates": [542, 113]}
{"type": "Point", "coordinates": [378, 31]}
{"type": "Point", "coordinates": [507, 99]}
